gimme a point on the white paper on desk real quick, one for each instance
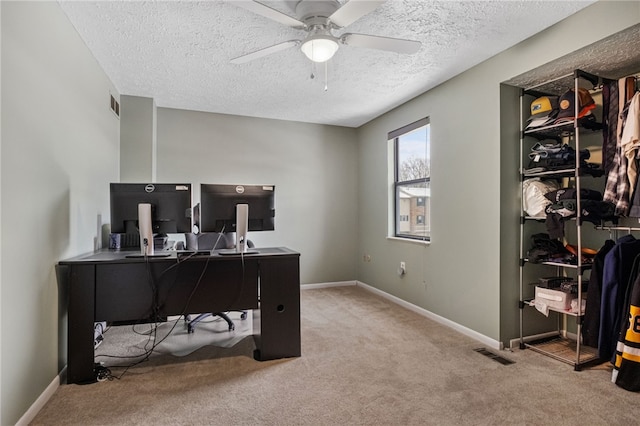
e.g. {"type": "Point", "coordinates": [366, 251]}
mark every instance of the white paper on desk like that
{"type": "Point", "coordinates": [542, 307]}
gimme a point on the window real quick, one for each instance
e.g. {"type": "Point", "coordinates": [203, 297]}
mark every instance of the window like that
{"type": "Point", "coordinates": [412, 181]}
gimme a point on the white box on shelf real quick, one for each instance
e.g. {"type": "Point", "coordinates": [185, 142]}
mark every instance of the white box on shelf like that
{"type": "Point", "coordinates": [554, 299]}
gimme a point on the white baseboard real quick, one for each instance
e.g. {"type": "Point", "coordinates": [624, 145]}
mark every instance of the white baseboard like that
{"type": "Point", "coordinates": [494, 344]}
{"type": "Point", "coordinates": [39, 403]}
{"type": "Point", "coordinates": [327, 285]}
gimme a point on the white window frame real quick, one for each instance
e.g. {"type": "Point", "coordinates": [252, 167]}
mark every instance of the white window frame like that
{"type": "Point", "coordinates": [395, 184]}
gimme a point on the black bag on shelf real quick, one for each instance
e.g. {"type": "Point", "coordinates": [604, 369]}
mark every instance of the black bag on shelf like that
{"type": "Point", "coordinates": [552, 282]}
{"type": "Point", "coordinates": [571, 286]}
{"type": "Point", "coordinates": [544, 248]}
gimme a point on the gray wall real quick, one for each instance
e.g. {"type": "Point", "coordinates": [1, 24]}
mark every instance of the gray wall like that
{"type": "Point", "coordinates": [137, 139]}
{"type": "Point", "coordinates": [313, 167]}
{"type": "Point", "coordinates": [459, 275]}
{"type": "Point", "coordinates": [509, 212]}
{"type": "Point", "coordinates": [456, 275]}
{"type": "Point", "coordinates": [60, 149]}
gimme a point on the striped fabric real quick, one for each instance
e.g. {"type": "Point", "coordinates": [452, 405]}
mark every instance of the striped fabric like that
{"type": "Point", "coordinates": [626, 373]}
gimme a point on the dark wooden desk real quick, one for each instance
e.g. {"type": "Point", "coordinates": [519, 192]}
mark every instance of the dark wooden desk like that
{"type": "Point", "coordinates": [108, 286]}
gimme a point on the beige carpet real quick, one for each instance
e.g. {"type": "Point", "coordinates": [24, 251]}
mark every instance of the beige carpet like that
{"type": "Point", "coordinates": [365, 361]}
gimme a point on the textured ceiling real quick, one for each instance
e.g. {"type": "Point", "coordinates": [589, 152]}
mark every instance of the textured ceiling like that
{"type": "Point", "coordinates": [613, 57]}
{"type": "Point", "coordinates": [178, 53]}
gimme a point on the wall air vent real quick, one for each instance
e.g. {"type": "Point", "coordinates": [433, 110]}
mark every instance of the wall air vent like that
{"type": "Point", "coordinates": [115, 106]}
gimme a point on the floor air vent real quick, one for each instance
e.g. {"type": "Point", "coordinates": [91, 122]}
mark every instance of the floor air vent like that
{"type": "Point", "coordinates": [494, 357]}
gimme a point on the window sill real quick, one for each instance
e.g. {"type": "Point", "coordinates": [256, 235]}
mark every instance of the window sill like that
{"type": "Point", "coordinates": [410, 240]}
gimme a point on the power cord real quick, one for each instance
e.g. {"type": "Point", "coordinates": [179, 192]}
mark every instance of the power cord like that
{"type": "Point", "coordinates": [103, 373]}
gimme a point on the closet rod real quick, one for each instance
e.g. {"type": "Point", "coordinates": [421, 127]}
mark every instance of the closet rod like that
{"type": "Point", "coordinates": [549, 81]}
{"type": "Point", "coordinates": [616, 228]}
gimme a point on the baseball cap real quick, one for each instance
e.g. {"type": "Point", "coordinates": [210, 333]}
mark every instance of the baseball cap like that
{"type": "Point", "coordinates": [543, 111]}
{"type": "Point", "coordinates": [567, 106]}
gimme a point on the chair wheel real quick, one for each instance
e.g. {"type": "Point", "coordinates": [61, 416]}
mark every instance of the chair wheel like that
{"type": "Point", "coordinates": [232, 327]}
{"type": "Point", "coordinates": [243, 316]}
{"type": "Point", "coordinates": [190, 329]}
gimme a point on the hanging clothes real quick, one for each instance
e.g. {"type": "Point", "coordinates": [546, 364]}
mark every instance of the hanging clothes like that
{"type": "Point", "coordinates": [610, 110]}
{"type": "Point", "coordinates": [591, 322]}
{"type": "Point", "coordinates": [629, 88]}
{"type": "Point", "coordinates": [626, 372]}
{"type": "Point", "coordinates": [618, 188]}
{"type": "Point", "coordinates": [630, 141]}
{"type": "Point", "coordinates": [617, 270]}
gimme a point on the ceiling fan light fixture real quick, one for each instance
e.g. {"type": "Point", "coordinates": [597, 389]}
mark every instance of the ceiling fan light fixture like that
{"type": "Point", "coordinates": [320, 48]}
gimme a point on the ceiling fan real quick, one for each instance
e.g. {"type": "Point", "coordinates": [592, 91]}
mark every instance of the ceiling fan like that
{"type": "Point", "coordinates": [319, 18]}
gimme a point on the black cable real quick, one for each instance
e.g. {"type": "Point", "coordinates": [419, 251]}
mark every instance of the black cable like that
{"type": "Point", "coordinates": [148, 351]}
{"type": "Point", "coordinates": [199, 281]}
{"type": "Point", "coordinates": [184, 309]}
{"type": "Point", "coordinates": [104, 373]}
{"type": "Point", "coordinates": [145, 355]}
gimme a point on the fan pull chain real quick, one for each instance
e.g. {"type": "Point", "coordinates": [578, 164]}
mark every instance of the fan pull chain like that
{"type": "Point", "coordinates": [326, 76]}
{"type": "Point", "coordinates": [313, 64]}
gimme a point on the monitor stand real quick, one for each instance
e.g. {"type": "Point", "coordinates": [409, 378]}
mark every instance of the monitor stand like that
{"type": "Point", "coordinates": [242, 225]}
{"type": "Point", "coordinates": [146, 233]}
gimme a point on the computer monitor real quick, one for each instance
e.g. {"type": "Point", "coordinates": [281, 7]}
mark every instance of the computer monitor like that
{"type": "Point", "coordinates": [237, 208]}
{"type": "Point", "coordinates": [167, 205]}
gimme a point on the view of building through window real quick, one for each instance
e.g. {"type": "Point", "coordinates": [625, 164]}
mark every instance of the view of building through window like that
{"type": "Point", "coordinates": [412, 185]}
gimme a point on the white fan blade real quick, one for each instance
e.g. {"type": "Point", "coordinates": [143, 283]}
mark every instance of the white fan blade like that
{"type": "Point", "coordinates": [383, 43]}
{"type": "Point", "coordinates": [264, 52]}
{"type": "Point", "coordinates": [268, 12]}
{"type": "Point", "coordinates": [353, 10]}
